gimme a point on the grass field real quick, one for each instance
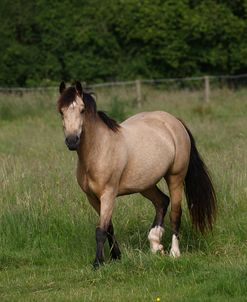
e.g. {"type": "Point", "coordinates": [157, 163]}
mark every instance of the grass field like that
{"type": "Point", "coordinates": [47, 227]}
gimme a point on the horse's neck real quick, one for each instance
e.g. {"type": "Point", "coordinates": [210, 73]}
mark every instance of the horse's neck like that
{"type": "Point", "coordinates": [94, 139]}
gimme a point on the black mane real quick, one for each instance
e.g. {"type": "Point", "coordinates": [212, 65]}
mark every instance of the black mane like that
{"type": "Point", "coordinates": [110, 123]}
{"type": "Point", "coordinates": [68, 96]}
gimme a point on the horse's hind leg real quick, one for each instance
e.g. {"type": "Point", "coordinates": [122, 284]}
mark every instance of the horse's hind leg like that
{"type": "Point", "coordinates": [160, 202]}
{"type": "Point", "coordinates": [175, 185]}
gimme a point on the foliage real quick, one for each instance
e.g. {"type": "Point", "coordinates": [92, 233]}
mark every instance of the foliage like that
{"type": "Point", "coordinates": [93, 40]}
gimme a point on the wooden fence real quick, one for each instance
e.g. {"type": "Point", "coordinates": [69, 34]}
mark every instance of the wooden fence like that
{"type": "Point", "coordinates": [205, 84]}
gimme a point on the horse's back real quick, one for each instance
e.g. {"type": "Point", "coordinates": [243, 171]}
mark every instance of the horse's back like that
{"type": "Point", "coordinates": [157, 142]}
{"type": "Point", "coordinates": [159, 125]}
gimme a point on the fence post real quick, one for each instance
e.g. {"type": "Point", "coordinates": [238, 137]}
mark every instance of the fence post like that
{"type": "Point", "coordinates": [207, 89]}
{"type": "Point", "coordinates": [138, 93]}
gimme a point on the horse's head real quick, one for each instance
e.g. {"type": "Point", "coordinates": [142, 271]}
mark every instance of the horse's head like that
{"type": "Point", "coordinates": [72, 109]}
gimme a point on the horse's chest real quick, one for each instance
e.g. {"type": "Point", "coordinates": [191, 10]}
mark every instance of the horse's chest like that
{"type": "Point", "coordinates": [88, 182]}
{"type": "Point", "coordinates": [83, 183]}
{"type": "Point", "coordinates": [82, 178]}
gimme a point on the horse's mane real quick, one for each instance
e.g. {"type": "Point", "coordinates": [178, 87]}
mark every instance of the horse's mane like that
{"type": "Point", "coordinates": [110, 123]}
{"type": "Point", "coordinates": [68, 97]}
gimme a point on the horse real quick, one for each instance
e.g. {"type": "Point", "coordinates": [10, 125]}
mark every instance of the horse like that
{"type": "Point", "coordinates": [132, 157]}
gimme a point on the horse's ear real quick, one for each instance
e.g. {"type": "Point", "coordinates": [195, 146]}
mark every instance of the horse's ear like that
{"type": "Point", "coordinates": [78, 87]}
{"type": "Point", "coordinates": [62, 87]}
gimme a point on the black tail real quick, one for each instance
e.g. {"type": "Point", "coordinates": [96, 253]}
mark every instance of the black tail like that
{"type": "Point", "coordinates": [199, 191]}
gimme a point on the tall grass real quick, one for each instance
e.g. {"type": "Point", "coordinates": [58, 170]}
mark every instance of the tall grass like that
{"type": "Point", "coordinates": [17, 105]}
{"type": "Point", "coordinates": [47, 226]}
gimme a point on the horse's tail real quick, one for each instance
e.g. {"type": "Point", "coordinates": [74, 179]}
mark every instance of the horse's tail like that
{"type": "Point", "coordinates": [199, 191]}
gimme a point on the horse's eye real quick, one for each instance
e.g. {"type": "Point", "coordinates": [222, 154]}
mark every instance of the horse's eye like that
{"type": "Point", "coordinates": [82, 110]}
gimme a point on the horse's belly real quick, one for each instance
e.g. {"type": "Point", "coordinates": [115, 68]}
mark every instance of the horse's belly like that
{"type": "Point", "coordinates": [135, 184]}
{"type": "Point", "coordinates": [146, 164]}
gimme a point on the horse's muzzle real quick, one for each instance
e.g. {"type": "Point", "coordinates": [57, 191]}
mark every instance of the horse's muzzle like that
{"type": "Point", "coordinates": [72, 142]}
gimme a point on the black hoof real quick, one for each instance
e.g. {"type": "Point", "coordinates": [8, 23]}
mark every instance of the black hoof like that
{"type": "Point", "coordinates": [97, 263]}
{"type": "Point", "coordinates": [115, 254]}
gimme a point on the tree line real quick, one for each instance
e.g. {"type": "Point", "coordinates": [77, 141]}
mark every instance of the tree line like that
{"type": "Point", "coordinates": [45, 41]}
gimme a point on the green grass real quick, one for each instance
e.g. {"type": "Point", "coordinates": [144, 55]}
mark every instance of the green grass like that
{"type": "Point", "coordinates": [47, 227]}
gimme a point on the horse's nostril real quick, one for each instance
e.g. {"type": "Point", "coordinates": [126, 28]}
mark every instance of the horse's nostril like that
{"type": "Point", "coordinates": [72, 141]}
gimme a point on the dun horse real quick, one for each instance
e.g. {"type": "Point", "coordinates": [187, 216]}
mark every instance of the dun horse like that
{"type": "Point", "coordinates": [118, 159]}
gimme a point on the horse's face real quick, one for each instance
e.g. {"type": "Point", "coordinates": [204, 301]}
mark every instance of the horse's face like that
{"type": "Point", "coordinates": [73, 117]}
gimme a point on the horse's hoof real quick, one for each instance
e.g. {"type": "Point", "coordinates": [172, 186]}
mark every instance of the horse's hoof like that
{"type": "Point", "coordinates": [161, 250]}
{"type": "Point", "coordinates": [115, 254]}
{"type": "Point", "coordinates": [157, 248]}
{"type": "Point", "coordinates": [175, 253]}
{"type": "Point", "coordinates": [97, 263]}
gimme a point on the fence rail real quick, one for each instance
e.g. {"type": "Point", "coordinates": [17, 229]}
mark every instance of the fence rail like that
{"type": "Point", "coordinates": [205, 84]}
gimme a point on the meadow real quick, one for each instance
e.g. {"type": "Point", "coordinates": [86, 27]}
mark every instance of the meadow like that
{"type": "Point", "coordinates": [47, 227]}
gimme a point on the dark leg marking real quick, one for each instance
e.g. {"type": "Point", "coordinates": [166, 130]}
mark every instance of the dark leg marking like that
{"type": "Point", "coordinates": [175, 218]}
{"type": "Point", "coordinates": [114, 248]}
{"type": "Point", "coordinates": [101, 235]}
{"type": "Point", "coordinates": [160, 201]}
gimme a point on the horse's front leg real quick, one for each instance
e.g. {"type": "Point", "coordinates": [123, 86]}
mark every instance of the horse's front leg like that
{"type": "Point", "coordinates": [114, 248]}
{"type": "Point", "coordinates": [107, 200]}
